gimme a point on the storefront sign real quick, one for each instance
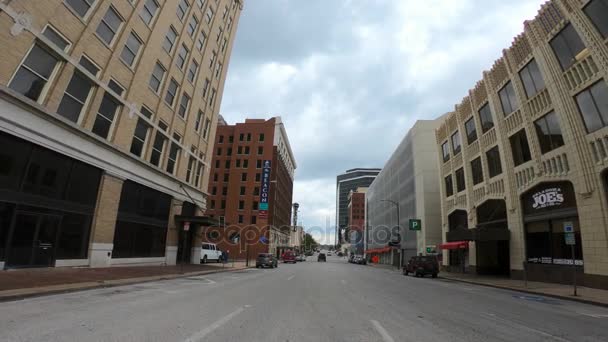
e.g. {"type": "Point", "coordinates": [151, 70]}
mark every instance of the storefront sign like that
{"type": "Point", "coordinates": [548, 198]}
{"type": "Point", "coordinates": [415, 224]}
{"type": "Point", "coordinates": [265, 190]}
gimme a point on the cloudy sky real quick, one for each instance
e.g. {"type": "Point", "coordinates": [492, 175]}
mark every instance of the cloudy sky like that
{"type": "Point", "coordinates": [350, 77]}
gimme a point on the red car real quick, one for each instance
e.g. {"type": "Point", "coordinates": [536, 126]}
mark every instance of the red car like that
{"type": "Point", "coordinates": [289, 256]}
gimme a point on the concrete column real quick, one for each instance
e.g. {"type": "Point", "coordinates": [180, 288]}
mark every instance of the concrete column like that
{"type": "Point", "coordinates": [172, 233]}
{"type": "Point", "coordinates": [104, 221]}
{"type": "Point", "coordinates": [197, 240]}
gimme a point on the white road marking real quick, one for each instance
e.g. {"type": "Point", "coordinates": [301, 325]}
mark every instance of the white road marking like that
{"type": "Point", "coordinates": [385, 336]}
{"type": "Point", "coordinates": [503, 320]}
{"type": "Point", "coordinates": [595, 315]}
{"type": "Point", "coordinates": [201, 334]}
{"type": "Point", "coordinates": [291, 277]}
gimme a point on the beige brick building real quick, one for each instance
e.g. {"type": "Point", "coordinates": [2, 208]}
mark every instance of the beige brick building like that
{"type": "Point", "coordinates": [523, 157]}
{"type": "Point", "coordinates": [108, 111]}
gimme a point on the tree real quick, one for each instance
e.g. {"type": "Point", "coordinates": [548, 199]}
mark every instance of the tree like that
{"type": "Point", "coordinates": [309, 242]}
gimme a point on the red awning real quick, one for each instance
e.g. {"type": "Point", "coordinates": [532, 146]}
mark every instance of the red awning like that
{"type": "Point", "coordinates": [378, 250]}
{"type": "Point", "coordinates": [454, 245]}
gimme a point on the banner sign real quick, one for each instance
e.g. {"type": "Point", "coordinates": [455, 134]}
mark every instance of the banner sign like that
{"type": "Point", "coordinates": [264, 190]}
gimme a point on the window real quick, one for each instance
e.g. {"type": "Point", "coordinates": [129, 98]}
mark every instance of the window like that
{"type": "Point", "coordinates": [200, 3]}
{"type": "Point", "coordinates": [199, 118]}
{"type": "Point", "coordinates": [545, 242]}
{"type": "Point", "coordinates": [218, 70]}
{"type": "Point", "coordinates": [244, 177]}
{"type": "Point", "coordinates": [77, 92]}
{"type": "Point", "coordinates": [456, 142]}
{"type": "Point", "coordinates": [170, 39]}
{"type": "Point", "coordinates": [157, 76]}
{"type": "Point", "coordinates": [109, 25]}
{"type": "Point", "coordinates": [239, 150]}
{"type": "Point", "coordinates": [231, 139]}
{"type": "Point", "coordinates": [254, 219]}
{"type": "Point", "coordinates": [220, 139]}
{"type": "Point", "coordinates": [258, 176]}
{"type": "Point", "coordinates": [548, 132]}
{"type": "Point", "coordinates": [520, 148]}
{"type": "Point", "coordinates": [229, 25]}
{"type": "Point", "coordinates": [445, 149]}
{"type": "Point", "coordinates": [485, 116]}
{"type": "Point", "coordinates": [217, 164]}
{"type": "Point", "coordinates": [192, 25]}
{"type": "Point", "coordinates": [245, 163]}
{"type": "Point", "coordinates": [508, 100]}
{"type": "Point", "coordinates": [224, 191]}
{"type": "Point", "coordinates": [81, 7]}
{"type": "Point", "coordinates": [215, 177]}
{"type": "Point", "coordinates": [449, 186]}
{"type": "Point", "coordinates": [107, 111]}
{"type": "Point", "coordinates": [183, 105]}
{"type": "Point", "coordinates": [224, 45]}
{"type": "Point", "coordinates": [192, 71]}
{"type": "Point", "coordinates": [593, 105]}
{"type": "Point", "coordinates": [225, 13]}
{"type": "Point", "coordinates": [34, 73]}
{"type": "Point", "coordinates": [173, 155]}
{"type": "Point", "coordinates": [247, 150]}
{"type": "Point", "coordinates": [596, 11]}
{"type": "Point", "coordinates": [200, 43]}
{"type": "Point", "coordinates": [567, 45]}
{"type": "Point", "coordinates": [56, 38]}
{"type": "Point", "coordinates": [131, 49]}
{"type": "Point", "coordinates": [471, 130]}
{"type": "Point", "coordinates": [214, 190]}
{"type": "Point", "coordinates": [223, 204]}
{"type": "Point", "coordinates": [494, 165]}
{"type": "Point", "coordinates": [199, 172]}
{"type": "Point", "coordinates": [182, 56]}
{"type": "Point", "coordinates": [212, 97]}
{"type": "Point", "coordinates": [248, 136]}
{"type": "Point", "coordinates": [241, 205]}
{"type": "Point", "coordinates": [260, 150]}
{"type": "Point", "coordinates": [242, 191]}
{"type": "Point", "coordinates": [261, 137]}
{"type": "Point", "coordinates": [532, 79]}
{"type": "Point", "coordinates": [226, 177]}
{"type": "Point", "coordinates": [212, 204]}
{"type": "Point", "coordinates": [148, 11]}
{"type": "Point", "coordinates": [141, 133]}
{"type": "Point", "coordinates": [206, 129]}
{"type": "Point", "coordinates": [171, 93]}
{"type": "Point", "coordinates": [238, 163]}
{"type": "Point", "coordinates": [258, 164]}
{"type": "Point", "coordinates": [190, 169]}
{"type": "Point", "coordinates": [182, 9]}
{"type": "Point", "coordinates": [241, 137]}
{"type": "Point", "coordinates": [256, 191]}
{"type": "Point", "coordinates": [159, 143]}
{"type": "Point", "coordinates": [241, 219]}
{"type": "Point", "coordinates": [212, 59]}
{"type": "Point", "coordinates": [209, 14]}
{"type": "Point", "coordinates": [205, 87]}
{"type": "Point", "coordinates": [229, 151]}
{"type": "Point", "coordinates": [477, 171]}
{"type": "Point", "coordinates": [460, 183]}
{"type": "Point", "coordinates": [218, 151]}
{"type": "Point", "coordinates": [255, 205]}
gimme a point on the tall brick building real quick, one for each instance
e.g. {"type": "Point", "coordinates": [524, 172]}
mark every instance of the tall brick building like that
{"type": "Point", "coordinates": [237, 187]}
{"type": "Point", "coordinates": [356, 219]}
{"type": "Point", "coordinates": [523, 157]}
{"type": "Point", "coordinates": [107, 108]}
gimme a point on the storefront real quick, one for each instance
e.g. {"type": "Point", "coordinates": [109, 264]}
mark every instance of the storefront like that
{"type": "Point", "coordinates": [457, 237]}
{"type": "Point", "coordinates": [47, 202]}
{"type": "Point", "coordinates": [491, 236]}
{"type": "Point", "coordinates": [548, 208]}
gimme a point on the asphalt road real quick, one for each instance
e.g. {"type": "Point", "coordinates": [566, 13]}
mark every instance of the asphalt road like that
{"type": "Point", "coordinates": [309, 301]}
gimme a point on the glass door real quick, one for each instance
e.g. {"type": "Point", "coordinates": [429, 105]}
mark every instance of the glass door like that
{"type": "Point", "coordinates": [33, 239]}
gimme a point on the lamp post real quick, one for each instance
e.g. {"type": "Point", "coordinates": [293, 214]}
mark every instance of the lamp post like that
{"type": "Point", "coordinates": [396, 204]}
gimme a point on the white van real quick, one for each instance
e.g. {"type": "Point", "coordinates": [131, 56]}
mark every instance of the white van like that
{"type": "Point", "coordinates": [209, 251]}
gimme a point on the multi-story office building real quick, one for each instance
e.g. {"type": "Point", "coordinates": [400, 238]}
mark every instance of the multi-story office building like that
{"type": "Point", "coordinates": [107, 108]}
{"type": "Point", "coordinates": [356, 220]}
{"type": "Point", "coordinates": [524, 155]}
{"type": "Point", "coordinates": [405, 190]}
{"type": "Point", "coordinates": [350, 180]}
{"type": "Point", "coordinates": [251, 187]}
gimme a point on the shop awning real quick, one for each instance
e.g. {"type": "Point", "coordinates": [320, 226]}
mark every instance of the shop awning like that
{"type": "Point", "coordinates": [204, 221]}
{"type": "Point", "coordinates": [454, 245]}
{"type": "Point", "coordinates": [378, 250]}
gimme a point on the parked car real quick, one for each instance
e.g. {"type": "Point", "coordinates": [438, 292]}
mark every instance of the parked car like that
{"type": "Point", "coordinates": [210, 252]}
{"type": "Point", "coordinates": [289, 256]}
{"type": "Point", "coordinates": [328, 253]}
{"type": "Point", "coordinates": [266, 260]}
{"type": "Point", "coordinates": [421, 266]}
{"type": "Point", "coordinates": [300, 257]}
{"type": "Point", "coordinates": [321, 257]}
{"type": "Point", "coordinates": [351, 258]}
{"type": "Point", "coordinates": [360, 260]}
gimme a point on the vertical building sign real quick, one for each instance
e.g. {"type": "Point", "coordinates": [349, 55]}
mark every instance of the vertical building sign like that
{"type": "Point", "coordinates": [265, 190]}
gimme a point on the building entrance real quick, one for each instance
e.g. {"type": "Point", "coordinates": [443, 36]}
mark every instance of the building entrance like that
{"type": "Point", "coordinates": [32, 240]}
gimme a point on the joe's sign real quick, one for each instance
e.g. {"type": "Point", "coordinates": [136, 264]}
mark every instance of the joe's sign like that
{"type": "Point", "coordinates": [547, 198]}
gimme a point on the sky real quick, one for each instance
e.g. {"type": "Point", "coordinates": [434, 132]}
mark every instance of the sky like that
{"type": "Point", "coordinates": [350, 77]}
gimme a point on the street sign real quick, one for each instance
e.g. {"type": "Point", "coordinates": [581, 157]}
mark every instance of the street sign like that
{"type": "Point", "coordinates": [570, 240]}
{"type": "Point", "coordinates": [263, 206]}
{"type": "Point", "coordinates": [431, 249]}
{"type": "Point", "coordinates": [415, 224]}
{"type": "Point", "coordinates": [186, 226]}
{"type": "Point", "coordinates": [568, 227]}
{"type": "Point", "coordinates": [263, 240]}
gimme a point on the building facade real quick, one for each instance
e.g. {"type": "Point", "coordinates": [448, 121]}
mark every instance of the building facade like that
{"type": "Point", "coordinates": [251, 187]}
{"type": "Point", "coordinates": [107, 108]}
{"type": "Point", "coordinates": [523, 156]}
{"type": "Point", "coordinates": [356, 220]}
{"type": "Point", "coordinates": [405, 190]}
{"type": "Point", "coordinates": [350, 180]}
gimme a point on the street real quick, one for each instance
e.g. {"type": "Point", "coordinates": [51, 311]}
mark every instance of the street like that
{"type": "Point", "coordinates": [308, 301]}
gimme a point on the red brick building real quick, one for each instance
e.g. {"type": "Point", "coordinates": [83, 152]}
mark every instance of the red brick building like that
{"type": "Point", "coordinates": [238, 184]}
{"type": "Point", "coordinates": [356, 219]}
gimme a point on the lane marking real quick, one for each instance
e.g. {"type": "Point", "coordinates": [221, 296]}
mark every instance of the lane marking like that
{"type": "Point", "coordinates": [291, 277]}
{"type": "Point", "coordinates": [201, 334]}
{"type": "Point", "coordinates": [385, 336]}
{"type": "Point", "coordinates": [595, 315]}
{"type": "Point", "coordinates": [504, 320]}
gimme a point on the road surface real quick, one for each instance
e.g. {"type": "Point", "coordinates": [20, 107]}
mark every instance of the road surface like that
{"type": "Point", "coordinates": [309, 301]}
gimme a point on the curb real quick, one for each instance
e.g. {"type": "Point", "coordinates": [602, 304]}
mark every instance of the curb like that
{"type": "Point", "coordinates": [569, 298]}
{"type": "Point", "coordinates": [77, 287]}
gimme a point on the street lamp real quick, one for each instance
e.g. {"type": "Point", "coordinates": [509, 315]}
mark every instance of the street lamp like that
{"type": "Point", "coordinates": [396, 204]}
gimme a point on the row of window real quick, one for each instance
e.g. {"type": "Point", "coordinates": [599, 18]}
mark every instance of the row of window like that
{"type": "Point", "coordinates": [254, 205]}
{"type": "Point", "coordinates": [242, 190]}
{"type": "Point", "coordinates": [241, 150]}
{"type": "Point", "coordinates": [242, 137]}
{"type": "Point", "coordinates": [494, 169]}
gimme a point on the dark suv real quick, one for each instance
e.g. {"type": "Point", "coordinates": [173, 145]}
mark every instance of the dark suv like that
{"type": "Point", "coordinates": [421, 266]}
{"type": "Point", "coordinates": [266, 260]}
{"type": "Point", "coordinates": [321, 257]}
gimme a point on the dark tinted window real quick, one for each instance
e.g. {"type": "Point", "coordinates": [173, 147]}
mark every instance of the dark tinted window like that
{"type": "Point", "coordinates": [477, 171]}
{"type": "Point", "coordinates": [549, 133]}
{"type": "Point", "coordinates": [532, 79]}
{"type": "Point", "coordinates": [494, 165]}
{"type": "Point", "coordinates": [47, 174]}
{"type": "Point", "coordinates": [456, 142]}
{"type": "Point", "coordinates": [508, 100]}
{"type": "Point", "coordinates": [449, 187]}
{"type": "Point", "coordinates": [566, 45]}
{"type": "Point", "coordinates": [6, 215]}
{"type": "Point", "coordinates": [83, 184]}
{"type": "Point", "coordinates": [520, 147]}
{"type": "Point", "coordinates": [596, 10]}
{"type": "Point", "coordinates": [14, 156]}
{"type": "Point", "coordinates": [460, 183]}
{"type": "Point", "coordinates": [138, 240]}
{"type": "Point", "coordinates": [74, 237]}
{"type": "Point", "coordinates": [139, 200]}
{"type": "Point", "coordinates": [485, 116]}
{"type": "Point", "coordinates": [593, 105]}
{"type": "Point", "coordinates": [445, 149]}
{"type": "Point", "coordinates": [471, 130]}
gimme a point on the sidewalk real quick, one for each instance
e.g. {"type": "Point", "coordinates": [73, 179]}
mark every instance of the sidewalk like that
{"type": "Point", "coordinates": [22, 283]}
